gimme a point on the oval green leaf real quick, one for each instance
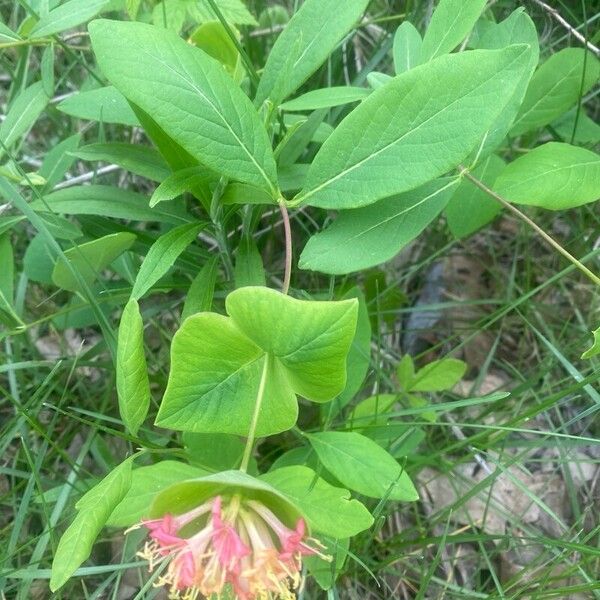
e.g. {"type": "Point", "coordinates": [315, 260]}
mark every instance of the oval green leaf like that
{"type": "Point", "coordinates": [189, 95]}
{"type": "Point", "coordinates": [414, 129]}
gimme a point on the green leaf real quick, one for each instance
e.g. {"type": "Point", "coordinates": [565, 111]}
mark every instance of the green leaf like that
{"type": "Point", "coordinates": [328, 510]}
{"type": "Point", "coordinates": [450, 24]}
{"type": "Point", "coordinates": [90, 259]}
{"type": "Point", "coordinates": [438, 376]}
{"type": "Point", "coordinates": [377, 80]}
{"type": "Point", "coordinates": [359, 357]}
{"type": "Point", "coordinates": [414, 129]}
{"type": "Point", "coordinates": [105, 201]}
{"type": "Point", "coordinates": [555, 87]}
{"type": "Point", "coordinates": [586, 130]}
{"type": "Point", "coordinates": [170, 14]}
{"type": "Point", "coordinates": [362, 465]}
{"type": "Point", "coordinates": [594, 350]}
{"type": "Point", "coordinates": [213, 38]}
{"type": "Point", "coordinates": [95, 507]}
{"type": "Point", "coordinates": [368, 236]}
{"type": "Point", "coordinates": [180, 182]}
{"type": "Point", "coordinates": [249, 269]}
{"type": "Point", "coordinates": [303, 46]}
{"type": "Point", "coordinates": [200, 295]}
{"type": "Point", "coordinates": [177, 83]}
{"type": "Point", "coordinates": [371, 412]}
{"type": "Point", "coordinates": [326, 98]}
{"type": "Point", "coordinates": [184, 496]}
{"type": "Point", "coordinates": [554, 176]}
{"type": "Point", "coordinates": [217, 362]}
{"type": "Point", "coordinates": [162, 255]}
{"type": "Point", "coordinates": [22, 114]}
{"type": "Point", "coordinates": [406, 371]}
{"type": "Point", "coordinates": [518, 28]}
{"type": "Point", "coordinates": [7, 273]}
{"type": "Point", "coordinates": [47, 70]}
{"type": "Point", "coordinates": [105, 105]}
{"type": "Point", "coordinates": [141, 160]}
{"type": "Point", "coordinates": [133, 7]}
{"type": "Point", "coordinates": [133, 386]}
{"type": "Point", "coordinates": [407, 48]}
{"type": "Point", "coordinates": [214, 451]}
{"type": "Point", "coordinates": [146, 483]}
{"type": "Point", "coordinates": [58, 161]}
{"type": "Point", "coordinates": [66, 16]}
{"type": "Point", "coordinates": [470, 208]}
{"type": "Point", "coordinates": [8, 315]}
{"type": "Point", "coordinates": [243, 193]}
{"type": "Point", "coordinates": [326, 572]}
{"type": "Point", "coordinates": [234, 11]}
{"type": "Point", "coordinates": [7, 35]}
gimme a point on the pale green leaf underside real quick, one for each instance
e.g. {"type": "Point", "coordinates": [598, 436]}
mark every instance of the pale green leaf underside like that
{"type": "Point", "coordinates": [368, 236]}
{"type": "Point", "coordinates": [554, 176]}
{"type": "Point", "coordinates": [414, 129]}
{"type": "Point", "coordinates": [133, 386]}
{"type": "Point", "coordinates": [189, 95]}
{"type": "Point", "coordinates": [328, 509]}
{"type": "Point", "coordinates": [362, 465]}
{"type": "Point", "coordinates": [217, 362]}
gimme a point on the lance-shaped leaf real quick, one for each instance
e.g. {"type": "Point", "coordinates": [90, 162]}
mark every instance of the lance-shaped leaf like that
{"type": "Point", "coordinates": [303, 46]}
{"type": "Point", "coordinates": [189, 95]}
{"type": "Point", "coordinates": [66, 16]}
{"type": "Point", "coordinates": [162, 255]}
{"type": "Point", "coordinates": [413, 129]}
{"type": "Point", "coordinates": [450, 24]}
{"type": "Point", "coordinates": [555, 87]}
{"type": "Point", "coordinates": [133, 386]}
{"type": "Point", "coordinates": [95, 507]}
{"type": "Point", "coordinates": [365, 237]}
{"type": "Point", "coordinates": [218, 363]}
{"type": "Point", "coordinates": [554, 176]}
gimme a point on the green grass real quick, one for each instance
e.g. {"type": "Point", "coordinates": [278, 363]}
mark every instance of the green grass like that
{"type": "Point", "coordinates": [527, 325]}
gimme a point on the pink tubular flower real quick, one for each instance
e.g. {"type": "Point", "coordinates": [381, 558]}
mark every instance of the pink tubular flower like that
{"type": "Point", "coordinates": [238, 545]}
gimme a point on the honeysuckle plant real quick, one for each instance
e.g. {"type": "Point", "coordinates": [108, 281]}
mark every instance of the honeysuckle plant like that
{"type": "Point", "coordinates": [409, 147]}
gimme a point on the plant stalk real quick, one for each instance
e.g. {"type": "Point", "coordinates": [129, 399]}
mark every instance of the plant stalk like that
{"type": "Point", "coordinates": [549, 239]}
{"type": "Point", "coordinates": [252, 431]}
{"type": "Point", "coordinates": [288, 247]}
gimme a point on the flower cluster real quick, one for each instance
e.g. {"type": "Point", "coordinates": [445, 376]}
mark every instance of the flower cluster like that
{"type": "Point", "coordinates": [238, 545]}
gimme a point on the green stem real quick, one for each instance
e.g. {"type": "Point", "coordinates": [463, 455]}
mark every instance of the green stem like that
{"type": "Point", "coordinates": [511, 207]}
{"type": "Point", "coordinates": [252, 432]}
